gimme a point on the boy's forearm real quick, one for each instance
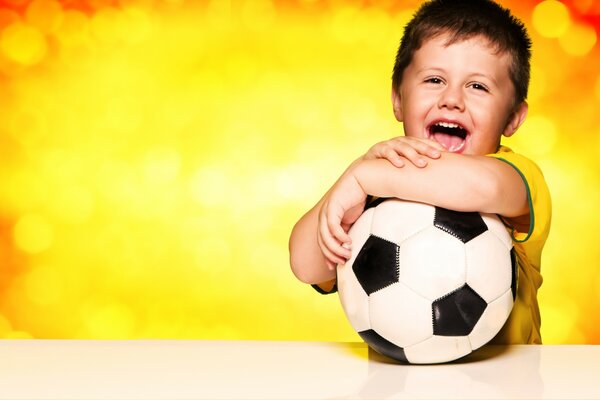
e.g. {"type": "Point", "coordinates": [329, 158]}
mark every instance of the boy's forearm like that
{"type": "Point", "coordinates": [454, 181]}
{"type": "Point", "coordinates": [306, 259]}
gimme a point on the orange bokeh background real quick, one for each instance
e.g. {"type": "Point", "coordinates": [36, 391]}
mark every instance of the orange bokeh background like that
{"type": "Point", "coordinates": [155, 155]}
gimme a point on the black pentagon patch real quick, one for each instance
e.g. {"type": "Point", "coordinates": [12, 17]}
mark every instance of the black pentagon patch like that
{"type": "Point", "coordinates": [376, 265]}
{"type": "Point", "coordinates": [515, 273]}
{"type": "Point", "coordinates": [383, 346]}
{"type": "Point", "coordinates": [457, 313]}
{"type": "Point", "coordinates": [373, 201]}
{"type": "Point", "coordinates": [463, 225]}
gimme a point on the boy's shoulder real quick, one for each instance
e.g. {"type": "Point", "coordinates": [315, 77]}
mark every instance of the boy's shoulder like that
{"type": "Point", "coordinates": [538, 195]}
{"type": "Point", "coordinates": [524, 165]}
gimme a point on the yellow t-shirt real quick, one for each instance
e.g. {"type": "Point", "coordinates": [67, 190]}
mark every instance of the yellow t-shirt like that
{"type": "Point", "coordinates": [523, 325]}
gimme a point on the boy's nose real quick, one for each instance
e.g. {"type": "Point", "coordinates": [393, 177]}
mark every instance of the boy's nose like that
{"type": "Point", "coordinates": [452, 99]}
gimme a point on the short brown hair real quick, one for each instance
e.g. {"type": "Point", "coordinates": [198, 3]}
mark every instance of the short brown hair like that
{"type": "Point", "coordinates": [464, 19]}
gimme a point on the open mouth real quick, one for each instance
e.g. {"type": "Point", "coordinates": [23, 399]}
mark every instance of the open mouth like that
{"type": "Point", "coordinates": [449, 134]}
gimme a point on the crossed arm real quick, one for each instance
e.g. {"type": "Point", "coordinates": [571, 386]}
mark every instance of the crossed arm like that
{"type": "Point", "coordinates": [319, 240]}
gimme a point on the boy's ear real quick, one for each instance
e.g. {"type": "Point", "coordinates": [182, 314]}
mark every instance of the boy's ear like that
{"type": "Point", "coordinates": [516, 119]}
{"type": "Point", "coordinates": [397, 104]}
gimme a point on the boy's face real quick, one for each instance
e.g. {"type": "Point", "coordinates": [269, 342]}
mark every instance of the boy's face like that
{"type": "Point", "coordinates": [459, 95]}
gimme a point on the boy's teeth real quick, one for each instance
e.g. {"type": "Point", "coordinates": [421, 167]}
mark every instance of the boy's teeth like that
{"type": "Point", "coordinates": [448, 125]}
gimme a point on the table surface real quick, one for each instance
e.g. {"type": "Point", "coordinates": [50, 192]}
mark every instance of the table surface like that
{"type": "Point", "coordinates": [196, 369]}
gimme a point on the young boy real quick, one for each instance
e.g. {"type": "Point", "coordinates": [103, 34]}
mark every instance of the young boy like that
{"type": "Point", "coordinates": [459, 83]}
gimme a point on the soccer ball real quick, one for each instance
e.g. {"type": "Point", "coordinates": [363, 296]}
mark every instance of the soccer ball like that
{"type": "Point", "coordinates": [425, 284]}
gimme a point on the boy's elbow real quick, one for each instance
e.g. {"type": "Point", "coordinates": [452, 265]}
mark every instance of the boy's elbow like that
{"type": "Point", "coordinates": [299, 264]}
{"type": "Point", "coordinates": [309, 268]}
{"type": "Point", "coordinates": [503, 192]}
{"type": "Point", "coordinates": [296, 266]}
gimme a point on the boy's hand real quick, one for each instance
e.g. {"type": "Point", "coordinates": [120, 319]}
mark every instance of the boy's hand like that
{"type": "Point", "coordinates": [342, 206]}
{"type": "Point", "coordinates": [409, 148]}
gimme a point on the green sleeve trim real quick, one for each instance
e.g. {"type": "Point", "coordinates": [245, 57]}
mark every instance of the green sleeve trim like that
{"type": "Point", "coordinates": [529, 203]}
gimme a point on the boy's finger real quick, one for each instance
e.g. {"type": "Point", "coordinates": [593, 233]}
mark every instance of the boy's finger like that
{"type": "Point", "coordinates": [330, 265]}
{"type": "Point", "coordinates": [332, 245]}
{"type": "Point", "coordinates": [394, 158]}
{"type": "Point", "coordinates": [338, 232]}
{"type": "Point", "coordinates": [411, 153]}
{"type": "Point", "coordinates": [334, 216]}
{"type": "Point", "coordinates": [429, 148]}
{"type": "Point", "coordinates": [434, 144]}
{"type": "Point", "coordinates": [331, 256]}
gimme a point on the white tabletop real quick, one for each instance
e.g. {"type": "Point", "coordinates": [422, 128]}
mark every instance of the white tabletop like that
{"type": "Point", "coordinates": [186, 369]}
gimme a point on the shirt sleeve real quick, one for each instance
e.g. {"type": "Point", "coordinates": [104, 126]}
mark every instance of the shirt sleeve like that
{"type": "Point", "coordinates": [538, 197]}
{"type": "Point", "coordinates": [322, 291]}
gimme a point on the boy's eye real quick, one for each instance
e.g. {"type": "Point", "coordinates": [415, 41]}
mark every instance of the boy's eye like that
{"type": "Point", "coordinates": [479, 86]}
{"type": "Point", "coordinates": [434, 80]}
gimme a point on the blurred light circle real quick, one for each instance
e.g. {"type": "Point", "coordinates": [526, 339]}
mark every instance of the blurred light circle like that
{"type": "Point", "coordinates": [33, 234]}
{"type": "Point", "coordinates": [578, 40]}
{"type": "Point", "coordinates": [46, 15]}
{"type": "Point", "coordinates": [539, 135]}
{"type": "Point", "coordinates": [43, 286]}
{"type": "Point", "coordinates": [551, 18]}
{"type": "Point", "coordinates": [258, 14]}
{"type": "Point", "coordinates": [74, 27]}
{"type": "Point", "coordinates": [23, 44]}
{"type": "Point", "coordinates": [73, 204]}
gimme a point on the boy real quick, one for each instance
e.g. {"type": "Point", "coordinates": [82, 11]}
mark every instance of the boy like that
{"type": "Point", "coordinates": [459, 83]}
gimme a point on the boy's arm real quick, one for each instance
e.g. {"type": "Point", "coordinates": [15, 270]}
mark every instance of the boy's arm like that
{"type": "Point", "coordinates": [457, 182]}
{"type": "Point", "coordinates": [454, 181]}
{"type": "Point", "coordinates": [310, 257]}
{"type": "Point", "coordinates": [306, 257]}
{"type": "Point", "coordinates": [311, 260]}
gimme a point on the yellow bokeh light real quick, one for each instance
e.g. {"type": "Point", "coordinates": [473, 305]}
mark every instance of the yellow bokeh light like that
{"type": "Point", "coordinates": [108, 26]}
{"type": "Point", "coordinates": [258, 14]}
{"type": "Point", "coordinates": [212, 186]}
{"type": "Point", "coordinates": [45, 15]}
{"type": "Point", "coordinates": [72, 204]}
{"type": "Point", "coordinates": [578, 40]}
{"type": "Point", "coordinates": [5, 326]}
{"type": "Point", "coordinates": [538, 135]}
{"type": "Point", "coordinates": [563, 320]}
{"type": "Point", "coordinates": [139, 24]}
{"type": "Point", "coordinates": [74, 27]}
{"type": "Point", "coordinates": [162, 166]}
{"type": "Point", "coordinates": [28, 127]}
{"type": "Point", "coordinates": [537, 85]}
{"type": "Point", "coordinates": [109, 321]}
{"type": "Point", "coordinates": [551, 18]}
{"type": "Point", "coordinates": [44, 286]}
{"type": "Point", "coordinates": [33, 233]}
{"type": "Point", "coordinates": [23, 44]}
{"type": "Point", "coordinates": [154, 164]}
{"type": "Point", "coordinates": [358, 114]}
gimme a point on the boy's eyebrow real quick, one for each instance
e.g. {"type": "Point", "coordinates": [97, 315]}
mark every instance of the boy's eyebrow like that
{"type": "Point", "coordinates": [491, 78]}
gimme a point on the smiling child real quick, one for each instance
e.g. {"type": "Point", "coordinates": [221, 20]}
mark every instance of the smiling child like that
{"type": "Point", "coordinates": [459, 84]}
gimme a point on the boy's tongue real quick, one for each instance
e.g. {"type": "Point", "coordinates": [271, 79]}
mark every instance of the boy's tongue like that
{"type": "Point", "coordinates": [450, 142]}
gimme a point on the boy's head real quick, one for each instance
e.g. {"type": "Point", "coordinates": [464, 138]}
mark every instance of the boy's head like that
{"type": "Point", "coordinates": [461, 75]}
{"type": "Point", "coordinates": [464, 19]}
